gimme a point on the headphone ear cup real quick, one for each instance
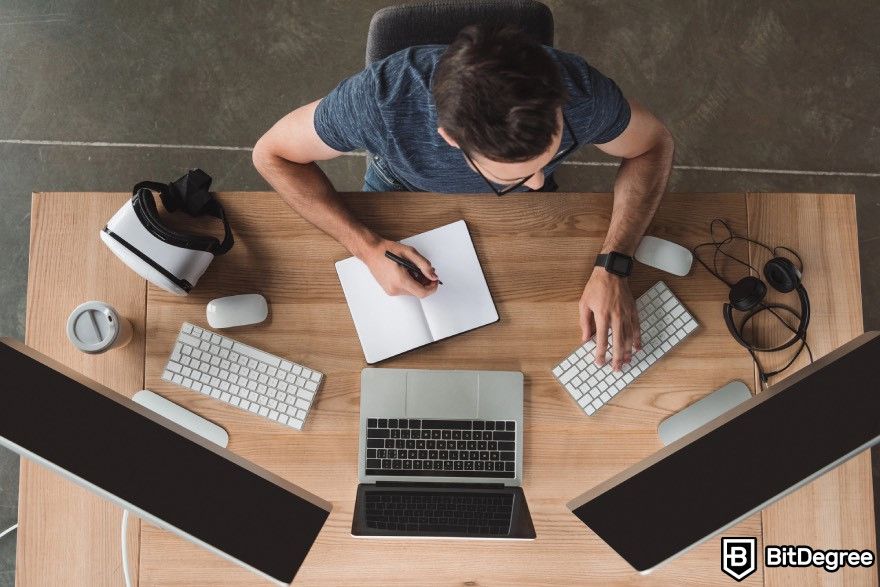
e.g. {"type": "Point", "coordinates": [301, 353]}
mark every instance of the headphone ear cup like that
{"type": "Point", "coordinates": [782, 275]}
{"type": "Point", "coordinates": [747, 293]}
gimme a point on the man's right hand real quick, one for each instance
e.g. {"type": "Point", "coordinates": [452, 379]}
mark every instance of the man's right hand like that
{"type": "Point", "coordinates": [393, 278]}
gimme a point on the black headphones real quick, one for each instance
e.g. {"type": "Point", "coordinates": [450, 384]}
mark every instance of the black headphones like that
{"type": "Point", "coordinates": [191, 194]}
{"type": "Point", "coordinates": [747, 295]}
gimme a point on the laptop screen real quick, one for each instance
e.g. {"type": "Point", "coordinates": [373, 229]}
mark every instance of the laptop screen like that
{"type": "Point", "coordinates": [744, 463]}
{"type": "Point", "coordinates": [182, 483]}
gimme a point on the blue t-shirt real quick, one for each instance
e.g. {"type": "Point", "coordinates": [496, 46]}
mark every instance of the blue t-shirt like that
{"type": "Point", "coordinates": [388, 110]}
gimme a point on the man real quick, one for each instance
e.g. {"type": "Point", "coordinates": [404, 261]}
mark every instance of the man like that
{"type": "Point", "coordinates": [493, 111]}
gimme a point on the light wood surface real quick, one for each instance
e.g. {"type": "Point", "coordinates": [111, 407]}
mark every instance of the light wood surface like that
{"type": "Point", "coordinates": [67, 535]}
{"type": "Point", "coordinates": [830, 511]}
{"type": "Point", "coordinates": [536, 252]}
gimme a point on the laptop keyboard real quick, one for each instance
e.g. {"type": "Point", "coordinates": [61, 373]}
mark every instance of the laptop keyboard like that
{"type": "Point", "coordinates": [441, 448]}
{"type": "Point", "coordinates": [459, 513]}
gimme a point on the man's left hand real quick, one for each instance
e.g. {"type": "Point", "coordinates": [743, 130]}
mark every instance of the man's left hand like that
{"type": "Point", "coordinates": [607, 303]}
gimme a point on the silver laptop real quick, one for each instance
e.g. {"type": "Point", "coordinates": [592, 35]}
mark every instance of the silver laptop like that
{"type": "Point", "coordinates": [441, 455]}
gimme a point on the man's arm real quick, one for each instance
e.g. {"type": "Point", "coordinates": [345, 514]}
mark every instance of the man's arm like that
{"type": "Point", "coordinates": [285, 156]}
{"type": "Point", "coordinates": [647, 149]}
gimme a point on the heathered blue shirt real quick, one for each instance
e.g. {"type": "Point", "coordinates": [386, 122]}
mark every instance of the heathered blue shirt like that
{"type": "Point", "coordinates": [388, 110]}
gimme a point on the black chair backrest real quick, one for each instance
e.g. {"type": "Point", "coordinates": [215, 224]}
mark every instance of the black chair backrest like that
{"type": "Point", "coordinates": [439, 22]}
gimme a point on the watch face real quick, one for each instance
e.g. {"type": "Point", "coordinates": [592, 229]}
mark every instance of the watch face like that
{"type": "Point", "coordinates": [619, 264]}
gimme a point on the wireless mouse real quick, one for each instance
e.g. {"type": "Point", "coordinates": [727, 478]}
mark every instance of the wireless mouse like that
{"type": "Point", "coordinates": [664, 255]}
{"type": "Point", "coordinates": [239, 310]}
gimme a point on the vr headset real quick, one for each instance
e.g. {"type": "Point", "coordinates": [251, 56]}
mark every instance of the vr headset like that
{"type": "Point", "coordinates": [163, 256]}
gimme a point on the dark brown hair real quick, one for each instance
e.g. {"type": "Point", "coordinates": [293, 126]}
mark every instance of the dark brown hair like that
{"type": "Point", "coordinates": [497, 92]}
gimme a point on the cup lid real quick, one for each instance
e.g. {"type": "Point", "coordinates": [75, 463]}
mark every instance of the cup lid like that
{"type": "Point", "coordinates": [93, 327]}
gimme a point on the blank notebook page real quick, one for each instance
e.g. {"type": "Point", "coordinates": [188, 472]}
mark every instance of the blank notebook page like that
{"type": "Point", "coordinates": [386, 325]}
{"type": "Point", "coordinates": [463, 302]}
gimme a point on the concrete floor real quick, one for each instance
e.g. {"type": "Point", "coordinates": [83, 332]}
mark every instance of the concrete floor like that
{"type": "Point", "coordinates": [745, 86]}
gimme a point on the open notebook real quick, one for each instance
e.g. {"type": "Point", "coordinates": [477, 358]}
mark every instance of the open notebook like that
{"type": "Point", "coordinates": [389, 325]}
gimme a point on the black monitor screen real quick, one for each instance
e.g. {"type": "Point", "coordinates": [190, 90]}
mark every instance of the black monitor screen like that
{"type": "Point", "coordinates": [155, 469]}
{"type": "Point", "coordinates": [734, 469]}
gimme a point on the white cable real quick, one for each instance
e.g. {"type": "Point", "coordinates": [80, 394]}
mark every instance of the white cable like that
{"type": "Point", "coordinates": [8, 530]}
{"type": "Point", "coordinates": [125, 572]}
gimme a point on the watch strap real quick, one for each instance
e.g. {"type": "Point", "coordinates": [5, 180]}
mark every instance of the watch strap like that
{"type": "Point", "coordinates": [606, 261]}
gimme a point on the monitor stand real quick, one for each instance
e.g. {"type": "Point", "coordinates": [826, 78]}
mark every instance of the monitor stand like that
{"type": "Point", "coordinates": [703, 411]}
{"type": "Point", "coordinates": [182, 417]}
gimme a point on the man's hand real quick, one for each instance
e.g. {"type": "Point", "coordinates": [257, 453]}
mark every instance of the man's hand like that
{"type": "Point", "coordinates": [607, 303]}
{"type": "Point", "coordinates": [393, 278]}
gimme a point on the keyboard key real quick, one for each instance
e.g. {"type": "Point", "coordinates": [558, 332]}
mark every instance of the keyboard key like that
{"type": "Point", "coordinates": [447, 424]}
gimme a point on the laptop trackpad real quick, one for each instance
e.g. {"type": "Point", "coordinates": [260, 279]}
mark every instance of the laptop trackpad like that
{"type": "Point", "coordinates": [439, 395]}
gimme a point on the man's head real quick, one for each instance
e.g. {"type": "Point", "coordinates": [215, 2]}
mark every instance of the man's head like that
{"type": "Point", "coordinates": [499, 97]}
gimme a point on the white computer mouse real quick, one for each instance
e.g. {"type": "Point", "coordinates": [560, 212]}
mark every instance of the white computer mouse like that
{"type": "Point", "coordinates": [664, 255]}
{"type": "Point", "coordinates": [239, 310]}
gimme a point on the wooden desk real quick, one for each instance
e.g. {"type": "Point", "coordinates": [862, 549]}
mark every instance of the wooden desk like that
{"type": "Point", "coordinates": [536, 252]}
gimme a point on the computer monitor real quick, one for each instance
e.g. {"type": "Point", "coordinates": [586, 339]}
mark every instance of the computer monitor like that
{"type": "Point", "coordinates": [742, 461]}
{"type": "Point", "coordinates": [153, 467]}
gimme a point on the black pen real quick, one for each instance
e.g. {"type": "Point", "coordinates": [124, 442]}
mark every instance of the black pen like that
{"type": "Point", "coordinates": [414, 271]}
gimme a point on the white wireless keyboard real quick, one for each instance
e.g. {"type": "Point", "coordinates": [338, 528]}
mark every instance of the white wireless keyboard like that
{"type": "Point", "coordinates": [242, 376]}
{"type": "Point", "coordinates": [664, 323]}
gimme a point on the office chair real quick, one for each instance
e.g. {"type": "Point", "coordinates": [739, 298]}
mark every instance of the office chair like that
{"type": "Point", "coordinates": [438, 22]}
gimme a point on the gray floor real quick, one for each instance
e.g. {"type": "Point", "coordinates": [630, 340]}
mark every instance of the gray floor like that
{"type": "Point", "coordinates": [746, 85]}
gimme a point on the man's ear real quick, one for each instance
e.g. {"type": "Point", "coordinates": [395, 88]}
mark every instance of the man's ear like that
{"type": "Point", "coordinates": [447, 138]}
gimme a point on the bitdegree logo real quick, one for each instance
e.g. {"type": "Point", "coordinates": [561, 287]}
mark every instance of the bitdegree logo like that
{"type": "Point", "coordinates": [805, 556]}
{"type": "Point", "coordinates": [739, 556]}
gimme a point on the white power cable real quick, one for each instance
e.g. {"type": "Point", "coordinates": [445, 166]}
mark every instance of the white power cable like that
{"type": "Point", "coordinates": [8, 530]}
{"type": "Point", "coordinates": [125, 571]}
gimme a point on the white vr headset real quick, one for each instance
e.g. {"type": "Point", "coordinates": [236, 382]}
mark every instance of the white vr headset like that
{"type": "Point", "coordinates": [163, 256]}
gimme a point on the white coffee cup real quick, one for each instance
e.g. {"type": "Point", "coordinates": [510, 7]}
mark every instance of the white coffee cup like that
{"type": "Point", "coordinates": [95, 327]}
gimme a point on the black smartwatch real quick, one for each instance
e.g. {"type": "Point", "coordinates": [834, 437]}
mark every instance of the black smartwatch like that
{"type": "Point", "coordinates": [615, 263]}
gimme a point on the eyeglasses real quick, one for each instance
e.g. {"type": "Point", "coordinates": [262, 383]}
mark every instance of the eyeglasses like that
{"type": "Point", "coordinates": [556, 159]}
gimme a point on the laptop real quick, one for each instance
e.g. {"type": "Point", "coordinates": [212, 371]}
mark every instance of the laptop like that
{"type": "Point", "coordinates": [441, 455]}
